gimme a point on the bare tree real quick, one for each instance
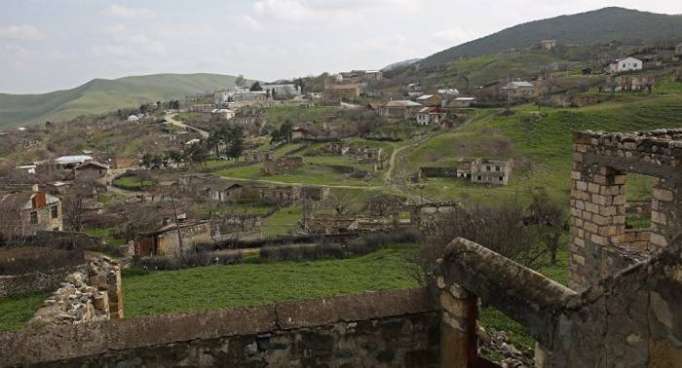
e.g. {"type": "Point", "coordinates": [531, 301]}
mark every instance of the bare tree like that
{"type": "Point", "coordinates": [500, 228]}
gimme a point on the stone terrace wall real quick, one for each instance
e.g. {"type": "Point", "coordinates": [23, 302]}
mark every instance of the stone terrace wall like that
{"type": "Point", "coordinates": [389, 329]}
{"type": "Point", "coordinates": [601, 163]}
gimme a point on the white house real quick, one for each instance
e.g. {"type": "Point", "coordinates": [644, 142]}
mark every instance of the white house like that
{"type": "Point", "coordinates": [229, 114]}
{"type": "Point", "coordinates": [627, 64]}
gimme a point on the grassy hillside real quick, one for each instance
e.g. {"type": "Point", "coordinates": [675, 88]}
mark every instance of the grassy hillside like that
{"type": "Point", "coordinates": [600, 26]}
{"type": "Point", "coordinates": [540, 140]}
{"type": "Point", "coordinates": [100, 95]}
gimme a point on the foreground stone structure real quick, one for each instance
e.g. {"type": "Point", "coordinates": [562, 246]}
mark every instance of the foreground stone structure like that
{"type": "Point", "coordinates": [600, 242]}
{"type": "Point", "coordinates": [390, 329]}
{"type": "Point", "coordinates": [626, 285]}
{"type": "Point", "coordinates": [93, 293]}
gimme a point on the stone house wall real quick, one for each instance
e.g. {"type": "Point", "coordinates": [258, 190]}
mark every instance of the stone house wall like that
{"type": "Point", "coordinates": [387, 329]}
{"type": "Point", "coordinates": [600, 244]}
{"type": "Point", "coordinates": [627, 320]}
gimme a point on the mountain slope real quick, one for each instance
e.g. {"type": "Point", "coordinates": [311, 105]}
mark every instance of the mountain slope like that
{"type": "Point", "coordinates": [599, 26]}
{"type": "Point", "coordinates": [101, 95]}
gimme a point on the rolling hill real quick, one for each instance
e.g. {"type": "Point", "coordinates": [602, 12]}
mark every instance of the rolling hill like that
{"type": "Point", "coordinates": [594, 27]}
{"type": "Point", "coordinates": [102, 95]}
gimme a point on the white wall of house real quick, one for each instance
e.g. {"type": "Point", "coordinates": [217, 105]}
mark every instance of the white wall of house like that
{"type": "Point", "coordinates": [626, 65]}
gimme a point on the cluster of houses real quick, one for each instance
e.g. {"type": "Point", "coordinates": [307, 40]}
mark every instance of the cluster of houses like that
{"type": "Point", "coordinates": [26, 209]}
{"type": "Point", "coordinates": [240, 97]}
{"type": "Point", "coordinates": [347, 86]}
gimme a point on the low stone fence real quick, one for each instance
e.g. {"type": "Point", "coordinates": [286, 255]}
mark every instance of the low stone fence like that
{"type": "Point", "coordinates": [387, 329]}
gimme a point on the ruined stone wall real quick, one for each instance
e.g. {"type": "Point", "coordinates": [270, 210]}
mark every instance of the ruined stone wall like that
{"type": "Point", "coordinates": [92, 293]}
{"type": "Point", "coordinates": [600, 244]}
{"type": "Point", "coordinates": [628, 321]}
{"type": "Point", "coordinates": [389, 329]}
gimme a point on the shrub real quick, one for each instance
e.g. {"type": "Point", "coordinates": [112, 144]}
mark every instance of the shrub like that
{"type": "Point", "coordinates": [187, 261]}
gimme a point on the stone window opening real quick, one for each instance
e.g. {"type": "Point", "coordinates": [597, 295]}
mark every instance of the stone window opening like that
{"type": "Point", "coordinates": [34, 218]}
{"type": "Point", "coordinates": [638, 205]}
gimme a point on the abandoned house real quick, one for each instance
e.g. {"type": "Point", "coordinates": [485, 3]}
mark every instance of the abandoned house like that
{"type": "Point", "coordinates": [518, 89]}
{"type": "Point", "coordinates": [26, 213]}
{"type": "Point", "coordinates": [628, 64]}
{"type": "Point", "coordinates": [431, 115]}
{"type": "Point", "coordinates": [400, 109]}
{"type": "Point", "coordinates": [282, 165]}
{"type": "Point", "coordinates": [174, 239]}
{"type": "Point", "coordinates": [495, 172]}
{"type": "Point", "coordinates": [334, 92]}
{"type": "Point", "coordinates": [92, 170]}
{"type": "Point", "coordinates": [364, 154]}
{"type": "Point", "coordinates": [478, 171]}
{"type": "Point", "coordinates": [678, 50]}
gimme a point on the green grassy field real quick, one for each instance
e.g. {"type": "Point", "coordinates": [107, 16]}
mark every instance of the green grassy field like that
{"type": "Point", "coordinates": [282, 222]}
{"type": "Point", "coordinates": [16, 311]}
{"type": "Point", "coordinates": [132, 183]}
{"type": "Point", "coordinates": [256, 284]}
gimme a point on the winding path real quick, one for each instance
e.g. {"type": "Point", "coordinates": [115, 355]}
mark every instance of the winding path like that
{"type": "Point", "coordinates": [170, 118]}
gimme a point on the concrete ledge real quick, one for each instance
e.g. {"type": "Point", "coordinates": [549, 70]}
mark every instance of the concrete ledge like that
{"type": "Point", "coordinates": [521, 293]}
{"type": "Point", "coordinates": [67, 342]}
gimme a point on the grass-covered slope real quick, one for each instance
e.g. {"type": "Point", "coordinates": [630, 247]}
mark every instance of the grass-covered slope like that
{"type": "Point", "coordinates": [100, 95]}
{"type": "Point", "coordinates": [540, 141]}
{"type": "Point", "coordinates": [600, 26]}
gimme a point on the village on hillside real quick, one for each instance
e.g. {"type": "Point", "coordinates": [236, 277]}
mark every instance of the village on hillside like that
{"type": "Point", "coordinates": [355, 197]}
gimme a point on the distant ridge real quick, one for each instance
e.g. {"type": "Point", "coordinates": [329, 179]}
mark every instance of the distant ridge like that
{"type": "Point", "coordinates": [599, 26]}
{"type": "Point", "coordinates": [103, 95]}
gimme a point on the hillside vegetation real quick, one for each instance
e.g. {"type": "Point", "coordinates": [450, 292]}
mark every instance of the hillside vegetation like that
{"type": "Point", "coordinates": [101, 95]}
{"type": "Point", "coordinates": [594, 27]}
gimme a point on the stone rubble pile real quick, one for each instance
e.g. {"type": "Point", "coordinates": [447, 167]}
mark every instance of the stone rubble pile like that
{"type": "Point", "coordinates": [497, 344]}
{"type": "Point", "coordinates": [86, 295]}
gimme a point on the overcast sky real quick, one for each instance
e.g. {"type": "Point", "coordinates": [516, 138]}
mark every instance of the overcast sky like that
{"type": "Point", "coordinates": [57, 44]}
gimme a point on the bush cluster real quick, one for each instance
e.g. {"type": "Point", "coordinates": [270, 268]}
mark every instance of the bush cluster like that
{"type": "Point", "coordinates": [187, 261]}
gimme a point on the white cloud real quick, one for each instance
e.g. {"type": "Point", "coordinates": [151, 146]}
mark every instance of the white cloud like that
{"type": "Point", "coordinates": [300, 10]}
{"type": "Point", "coordinates": [21, 33]}
{"type": "Point", "coordinates": [453, 36]}
{"type": "Point", "coordinates": [122, 11]}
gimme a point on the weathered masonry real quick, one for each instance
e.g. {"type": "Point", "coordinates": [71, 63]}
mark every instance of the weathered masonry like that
{"type": "Point", "coordinates": [389, 329]}
{"type": "Point", "coordinates": [622, 310]}
{"type": "Point", "coordinates": [600, 242]}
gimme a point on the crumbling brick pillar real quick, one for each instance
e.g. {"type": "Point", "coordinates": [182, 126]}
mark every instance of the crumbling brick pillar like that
{"type": "Point", "coordinates": [597, 218]}
{"type": "Point", "coordinates": [458, 344]}
{"type": "Point", "coordinates": [666, 213]}
{"type": "Point", "coordinates": [105, 275]}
